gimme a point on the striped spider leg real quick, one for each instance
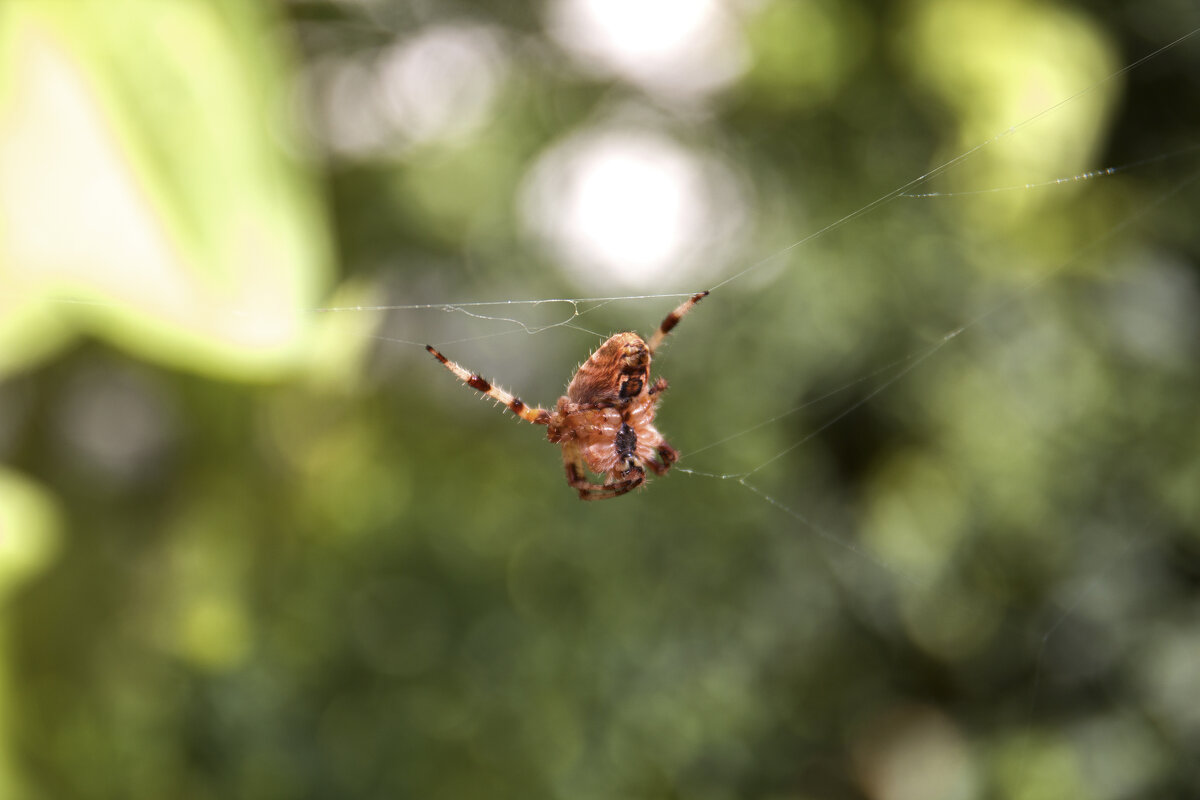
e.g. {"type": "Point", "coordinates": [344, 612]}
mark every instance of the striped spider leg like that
{"type": "Point", "coordinates": [538, 416]}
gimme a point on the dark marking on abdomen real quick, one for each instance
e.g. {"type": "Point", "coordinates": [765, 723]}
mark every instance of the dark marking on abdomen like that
{"type": "Point", "coordinates": [626, 442]}
{"type": "Point", "coordinates": [632, 387]}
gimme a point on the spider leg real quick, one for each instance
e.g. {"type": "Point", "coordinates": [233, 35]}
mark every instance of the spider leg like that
{"type": "Point", "coordinates": [667, 456]}
{"type": "Point", "coordinates": [577, 478]}
{"type": "Point", "coordinates": [538, 416]}
{"type": "Point", "coordinates": [672, 320]}
{"type": "Point", "coordinates": [660, 385]}
{"type": "Point", "coordinates": [595, 491]}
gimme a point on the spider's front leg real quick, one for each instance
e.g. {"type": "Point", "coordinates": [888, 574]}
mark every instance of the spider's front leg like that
{"type": "Point", "coordinates": [667, 456]}
{"type": "Point", "coordinates": [538, 416]}
{"type": "Point", "coordinates": [672, 320]}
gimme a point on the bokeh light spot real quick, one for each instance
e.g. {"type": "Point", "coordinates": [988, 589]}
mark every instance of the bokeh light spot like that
{"type": "Point", "coordinates": [626, 208]}
{"type": "Point", "coordinates": [670, 47]}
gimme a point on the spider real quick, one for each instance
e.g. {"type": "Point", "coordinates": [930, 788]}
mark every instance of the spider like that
{"type": "Point", "coordinates": [605, 420]}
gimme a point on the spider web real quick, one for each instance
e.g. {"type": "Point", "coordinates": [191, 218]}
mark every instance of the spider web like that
{"type": "Point", "coordinates": [780, 444]}
{"type": "Point", "coordinates": [540, 315]}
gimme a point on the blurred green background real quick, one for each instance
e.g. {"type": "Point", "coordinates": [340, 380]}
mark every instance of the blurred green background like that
{"type": "Point", "coordinates": [255, 543]}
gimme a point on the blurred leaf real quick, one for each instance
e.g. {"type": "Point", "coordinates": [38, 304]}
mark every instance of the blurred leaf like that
{"type": "Point", "coordinates": [991, 64]}
{"type": "Point", "coordinates": [28, 530]}
{"type": "Point", "coordinates": [157, 206]}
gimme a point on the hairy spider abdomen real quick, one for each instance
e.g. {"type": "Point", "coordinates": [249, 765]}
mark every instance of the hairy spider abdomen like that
{"type": "Point", "coordinates": [617, 372]}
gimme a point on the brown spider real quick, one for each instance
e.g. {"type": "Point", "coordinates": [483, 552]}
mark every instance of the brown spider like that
{"type": "Point", "coordinates": [605, 420]}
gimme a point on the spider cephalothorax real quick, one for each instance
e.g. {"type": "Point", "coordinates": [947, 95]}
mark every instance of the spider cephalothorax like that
{"type": "Point", "coordinates": [605, 420]}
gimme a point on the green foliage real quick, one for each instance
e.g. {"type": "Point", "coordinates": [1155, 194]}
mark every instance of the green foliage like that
{"type": "Point", "coordinates": [934, 532]}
